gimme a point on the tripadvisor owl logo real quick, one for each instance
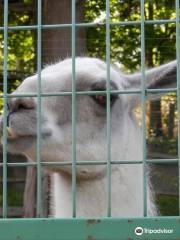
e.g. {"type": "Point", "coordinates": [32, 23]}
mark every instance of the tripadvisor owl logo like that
{"type": "Point", "coordinates": [138, 231]}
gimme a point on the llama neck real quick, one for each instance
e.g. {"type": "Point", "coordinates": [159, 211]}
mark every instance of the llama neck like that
{"type": "Point", "coordinates": [91, 195]}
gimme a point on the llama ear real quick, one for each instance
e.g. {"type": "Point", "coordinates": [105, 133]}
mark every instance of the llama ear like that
{"type": "Point", "coordinates": [161, 77]}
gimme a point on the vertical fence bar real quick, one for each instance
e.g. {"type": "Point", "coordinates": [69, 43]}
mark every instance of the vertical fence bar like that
{"type": "Point", "coordinates": [73, 42]}
{"type": "Point", "coordinates": [5, 69]}
{"type": "Point", "coordinates": [39, 47]}
{"type": "Point", "coordinates": [143, 106]}
{"type": "Point", "coordinates": [178, 85]}
{"type": "Point", "coordinates": [108, 108]}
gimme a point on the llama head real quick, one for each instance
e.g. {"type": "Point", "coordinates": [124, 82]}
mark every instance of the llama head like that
{"type": "Point", "coordinates": [56, 111]}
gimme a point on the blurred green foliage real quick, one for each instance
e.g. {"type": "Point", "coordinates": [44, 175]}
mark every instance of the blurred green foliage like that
{"type": "Point", "coordinates": [15, 195]}
{"type": "Point", "coordinates": [167, 204]}
{"type": "Point", "coordinates": [21, 45]}
{"type": "Point", "coordinates": [125, 40]}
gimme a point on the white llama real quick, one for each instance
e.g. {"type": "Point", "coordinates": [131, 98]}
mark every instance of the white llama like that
{"type": "Point", "coordinates": [91, 141]}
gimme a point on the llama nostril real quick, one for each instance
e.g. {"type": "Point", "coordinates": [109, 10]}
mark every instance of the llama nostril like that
{"type": "Point", "coordinates": [25, 104]}
{"type": "Point", "coordinates": [21, 104]}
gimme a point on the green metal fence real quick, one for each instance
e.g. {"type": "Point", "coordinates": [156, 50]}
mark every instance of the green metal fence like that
{"type": "Point", "coordinates": [103, 228]}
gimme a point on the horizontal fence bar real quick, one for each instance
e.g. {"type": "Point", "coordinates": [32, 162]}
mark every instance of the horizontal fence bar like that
{"type": "Point", "coordinates": [56, 94]}
{"type": "Point", "coordinates": [69, 25]}
{"type": "Point", "coordinates": [158, 90]}
{"type": "Point", "coordinates": [99, 228]}
{"type": "Point", "coordinates": [116, 162]}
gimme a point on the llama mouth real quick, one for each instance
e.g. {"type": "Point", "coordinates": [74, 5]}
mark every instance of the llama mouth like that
{"type": "Point", "coordinates": [11, 135]}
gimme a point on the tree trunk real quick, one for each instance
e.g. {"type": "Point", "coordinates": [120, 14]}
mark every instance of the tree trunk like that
{"type": "Point", "coordinates": [57, 42]}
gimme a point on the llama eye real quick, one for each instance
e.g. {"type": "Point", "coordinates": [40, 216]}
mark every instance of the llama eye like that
{"type": "Point", "coordinates": [101, 99]}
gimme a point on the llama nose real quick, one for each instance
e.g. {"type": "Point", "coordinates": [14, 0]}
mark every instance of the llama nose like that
{"type": "Point", "coordinates": [16, 104]}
